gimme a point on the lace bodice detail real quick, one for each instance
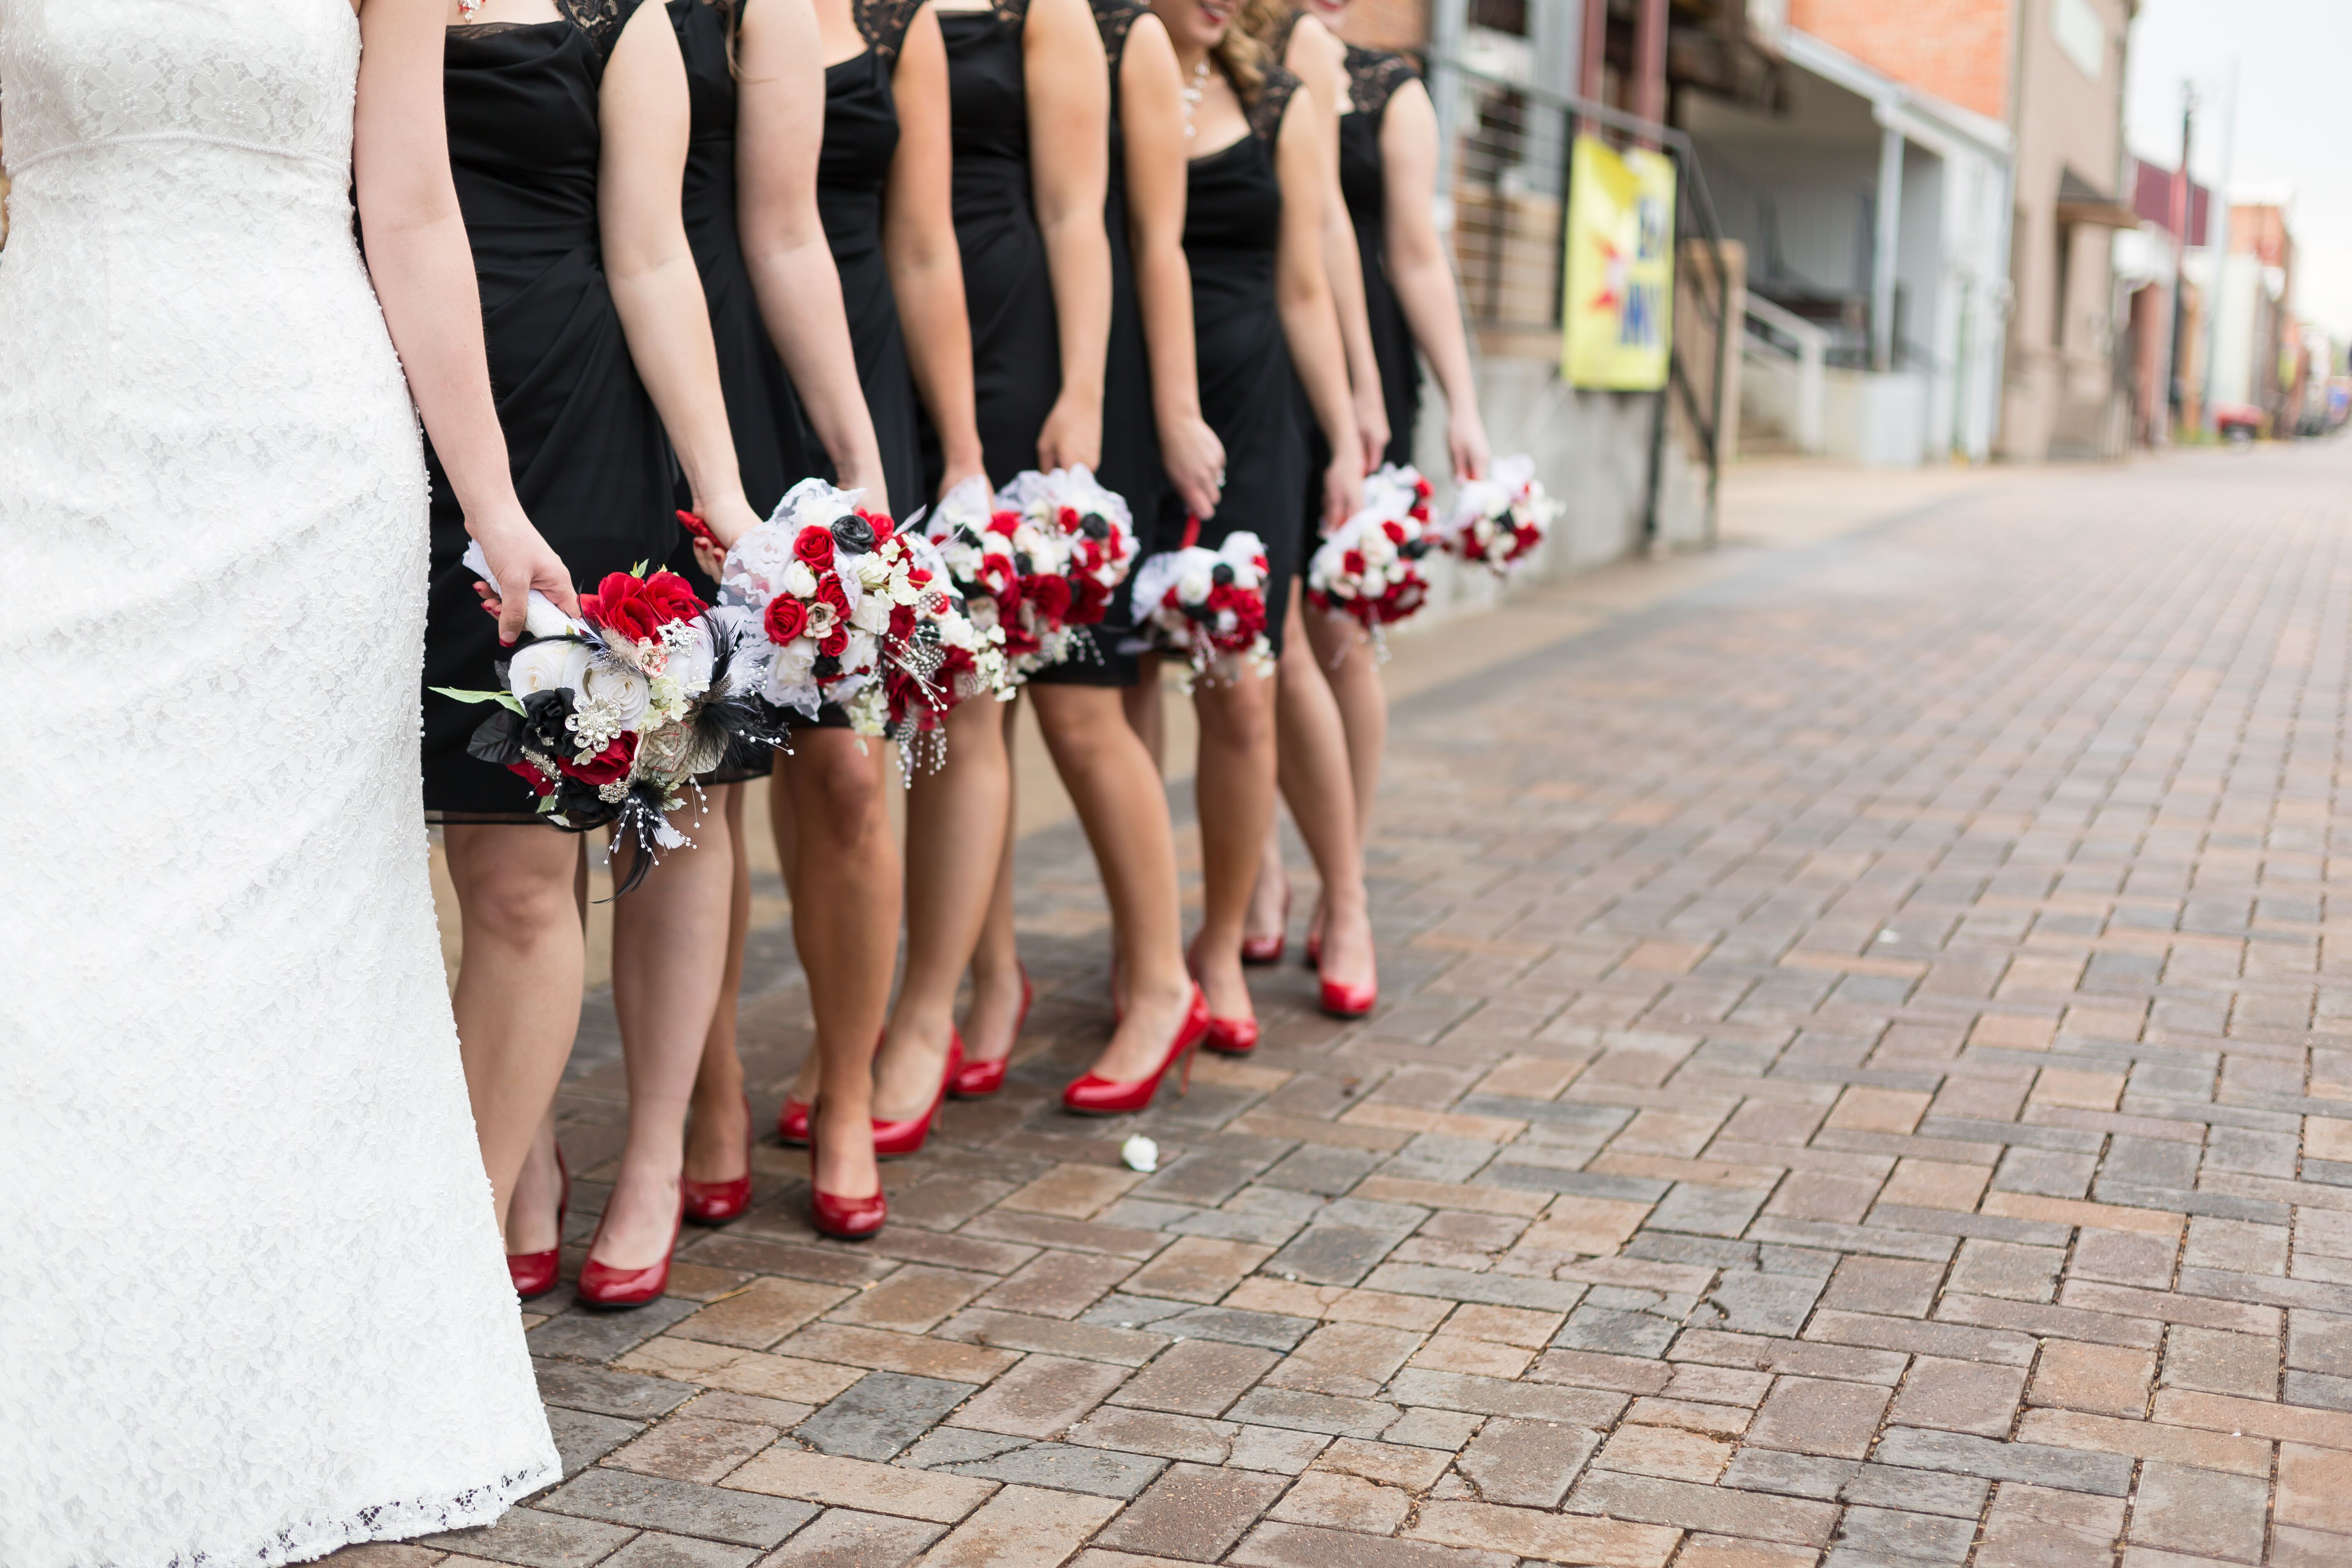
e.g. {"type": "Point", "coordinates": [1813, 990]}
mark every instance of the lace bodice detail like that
{"type": "Point", "coordinates": [1114, 19]}
{"type": "Point", "coordinates": [1272, 99]}
{"type": "Point", "coordinates": [602, 20]}
{"type": "Point", "coordinates": [1373, 78]}
{"type": "Point", "coordinates": [883, 23]}
{"type": "Point", "coordinates": [84, 75]}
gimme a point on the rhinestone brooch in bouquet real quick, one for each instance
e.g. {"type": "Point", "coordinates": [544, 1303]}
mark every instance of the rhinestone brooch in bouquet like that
{"type": "Point", "coordinates": [1498, 521]}
{"type": "Point", "coordinates": [612, 717]}
{"type": "Point", "coordinates": [1368, 568]}
{"type": "Point", "coordinates": [853, 612]}
{"type": "Point", "coordinates": [1207, 606]}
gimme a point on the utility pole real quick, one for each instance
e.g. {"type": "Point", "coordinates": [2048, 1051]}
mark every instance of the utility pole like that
{"type": "Point", "coordinates": [2184, 203]}
{"type": "Point", "coordinates": [2218, 245]}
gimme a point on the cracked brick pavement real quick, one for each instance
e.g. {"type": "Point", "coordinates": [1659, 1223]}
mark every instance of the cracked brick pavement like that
{"type": "Point", "coordinates": [1865, 1078]}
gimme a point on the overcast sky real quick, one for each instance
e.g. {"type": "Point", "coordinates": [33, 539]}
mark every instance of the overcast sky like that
{"type": "Point", "coordinates": [2295, 63]}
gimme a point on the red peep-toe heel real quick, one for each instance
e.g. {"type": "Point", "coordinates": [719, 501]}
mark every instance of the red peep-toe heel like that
{"type": "Point", "coordinates": [534, 1273]}
{"type": "Point", "coordinates": [607, 1289]}
{"type": "Point", "coordinates": [716, 1202]}
{"type": "Point", "coordinates": [1094, 1096]}
{"type": "Point", "coordinates": [979, 1079]}
{"type": "Point", "coordinates": [893, 1139]}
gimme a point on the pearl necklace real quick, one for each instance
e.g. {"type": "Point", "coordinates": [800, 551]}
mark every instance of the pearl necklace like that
{"type": "Point", "coordinates": [1192, 95]}
{"type": "Point", "coordinates": [467, 9]}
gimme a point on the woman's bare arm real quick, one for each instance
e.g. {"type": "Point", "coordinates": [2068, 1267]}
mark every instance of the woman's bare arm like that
{"type": "Point", "coordinates": [1419, 273]}
{"type": "Point", "coordinates": [1319, 60]}
{"type": "Point", "coordinates": [1151, 118]}
{"type": "Point", "coordinates": [779, 130]}
{"type": "Point", "coordinates": [1068, 89]}
{"type": "Point", "coordinates": [1308, 324]}
{"type": "Point", "coordinates": [423, 267]}
{"type": "Point", "coordinates": [656, 287]}
{"type": "Point", "coordinates": [919, 241]}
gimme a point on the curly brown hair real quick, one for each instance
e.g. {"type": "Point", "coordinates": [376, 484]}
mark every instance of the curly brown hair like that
{"type": "Point", "coordinates": [1242, 53]}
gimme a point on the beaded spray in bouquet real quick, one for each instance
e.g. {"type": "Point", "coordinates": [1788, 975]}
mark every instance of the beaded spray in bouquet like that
{"type": "Point", "coordinates": [610, 718]}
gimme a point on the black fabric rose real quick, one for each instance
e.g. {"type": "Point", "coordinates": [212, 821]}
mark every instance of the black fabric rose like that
{"type": "Point", "coordinates": [1221, 574]}
{"type": "Point", "coordinates": [852, 535]}
{"type": "Point", "coordinates": [1094, 526]}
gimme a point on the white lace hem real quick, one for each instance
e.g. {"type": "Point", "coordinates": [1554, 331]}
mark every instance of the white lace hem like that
{"type": "Point", "coordinates": [307, 1539]}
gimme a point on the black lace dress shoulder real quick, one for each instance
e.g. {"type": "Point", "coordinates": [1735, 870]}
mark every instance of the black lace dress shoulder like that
{"type": "Point", "coordinates": [883, 23]}
{"type": "Point", "coordinates": [590, 464]}
{"type": "Point", "coordinates": [1272, 102]}
{"type": "Point", "coordinates": [1373, 78]}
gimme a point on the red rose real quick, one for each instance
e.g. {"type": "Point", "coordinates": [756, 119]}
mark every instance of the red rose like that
{"type": "Point", "coordinates": [835, 642]}
{"type": "Point", "coordinates": [1003, 522]}
{"type": "Point", "coordinates": [1052, 596]}
{"type": "Point", "coordinates": [902, 621]}
{"type": "Point", "coordinates": [1093, 600]}
{"type": "Point", "coordinates": [1353, 561]}
{"type": "Point", "coordinates": [1069, 520]}
{"type": "Point", "coordinates": [880, 522]}
{"type": "Point", "coordinates": [813, 547]}
{"type": "Point", "coordinates": [675, 595]}
{"type": "Point", "coordinates": [1394, 530]}
{"type": "Point", "coordinates": [830, 592]}
{"type": "Point", "coordinates": [624, 605]}
{"type": "Point", "coordinates": [918, 576]}
{"type": "Point", "coordinates": [610, 765]}
{"type": "Point", "coordinates": [787, 618]}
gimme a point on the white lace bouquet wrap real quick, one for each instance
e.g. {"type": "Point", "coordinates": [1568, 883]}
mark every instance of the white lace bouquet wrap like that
{"type": "Point", "coordinates": [1208, 606]}
{"type": "Point", "coordinates": [1498, 521]}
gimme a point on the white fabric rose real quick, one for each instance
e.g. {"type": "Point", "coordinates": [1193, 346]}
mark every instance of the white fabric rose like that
{"type": "Point", "coordinates": [799, 581]}
{"type": "Point", "coordinates": [548, 666]}
{"type": "Point", "coordinates": [622, 690]}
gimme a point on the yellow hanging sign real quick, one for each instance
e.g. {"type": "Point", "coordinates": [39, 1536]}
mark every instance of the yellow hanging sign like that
{"type": "Point", "coordinates": [1621, 273]}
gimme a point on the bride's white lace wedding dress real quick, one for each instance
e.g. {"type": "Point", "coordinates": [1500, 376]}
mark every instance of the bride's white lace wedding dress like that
{"type": "Point", "coordinates": [252, 1301]}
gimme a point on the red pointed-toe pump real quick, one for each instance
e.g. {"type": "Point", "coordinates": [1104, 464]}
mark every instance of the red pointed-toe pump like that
{"type": "Point", "coordinates": [607, 1289]}
{"type": "Point", "coordinates": [1341, 1001]}
{"type": "Point", "coordinates": [1230, 1036]}
{"type": "Point", "coordinates": [894, 1140]}
{"type": "Point", "coordinates": [1093, 1096]}
{"type": "Point", "coordinates": [843, 1219]}
{"type": "Point", "coordinates": [534, 1273]}
{"type": "Point", "coordinates": [716, 1202]}
{"type": "Point", "coordinates": [979, 1079]}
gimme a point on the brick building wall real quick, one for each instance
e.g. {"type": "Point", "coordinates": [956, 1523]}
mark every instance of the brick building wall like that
{"type": "Point", "coordinates": [1388, 24]}
{"type": "Point", "coordinates": [1957, 49]}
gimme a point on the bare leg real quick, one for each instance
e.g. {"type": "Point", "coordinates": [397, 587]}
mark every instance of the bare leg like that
{"type": "Point", "coordinates": [714, 1139]}
{"type": "Point", "coordinates": [1124, 809]}
{"type": "Point", "coordinates": [670, 959]}
{"type": "Point", "coordinates": [994, 1016]}
{"type": "Point", "coordinates": [1345, 657]}
{"type": "Point", "coordinates": [846, 891]}
{"type": "Point", "coordinates": [1269, 907]}
{"type": "Point", "coordinates": [1235, 789]}
{"type": "Point", "coordinates": [518, 995]}
{"type": "Point", "coordinates": [1316, 782]}
{"type": "Point", "coordinates": [955, 840]}
{"type": "Point", "coordinates": [1143, 711]}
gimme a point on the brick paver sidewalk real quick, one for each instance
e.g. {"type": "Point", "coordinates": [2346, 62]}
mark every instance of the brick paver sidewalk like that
{"type": "Point", "coordinates": [1865, 1076]}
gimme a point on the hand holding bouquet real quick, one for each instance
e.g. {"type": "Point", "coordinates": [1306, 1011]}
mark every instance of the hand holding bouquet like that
{"type": "Point", "coordinates": [1369, 567]}
{"type": "Point", "coordinates": [1209, 605]}
{"type": "Point", "coordinates": [610, 717]}
{"type": "Point", "coordinates": [1498, 521]}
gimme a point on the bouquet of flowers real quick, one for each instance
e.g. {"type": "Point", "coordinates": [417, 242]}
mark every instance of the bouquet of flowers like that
{"type": "Point", "coordinates": [1045, 554]}
{"type": "Point", "coordinates": [1498, 521]}
{"type": "Point", "coordinates": [610, 718]}
{"type": "Point", "coordinates": [1207, 604]}
{"type": "Point", "coordinates": [1369, 567]}
{"type": "Point", "coordinates": [853, 612]}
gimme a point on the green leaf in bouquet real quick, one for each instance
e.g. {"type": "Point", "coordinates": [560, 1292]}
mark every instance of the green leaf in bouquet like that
{"type": "Point", "coordinates": [506, 699]}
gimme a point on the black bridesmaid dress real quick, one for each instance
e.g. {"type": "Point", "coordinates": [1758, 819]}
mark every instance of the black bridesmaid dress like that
{"type": "Point", "coordinates": [590, 464]}
{"type": "Point", "coordinates": [861, 135]}
{"type": "Point", "coordinates": [1233, 223]}
{"type": "Point", "coordinates": [772, 443]}
{"type": "Point", "coordinates": [1373, 78]}
{"type": "Point", "coordinates": [1016, 358]}
{"type": "Point", "coordinates": [1130, 434]}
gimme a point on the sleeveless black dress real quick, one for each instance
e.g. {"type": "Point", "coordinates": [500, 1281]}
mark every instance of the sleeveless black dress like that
{"type": "Point", "coordinates": [1232, 223]}
{"type": "Point", "coordinates": [1016, 364]}
{"type": "Point", "coordinates": [772, 443]}
{"type": "Point", "coordinates": [590, 464]}
{"type": "Point", "coordinates": [1130, 434]}
{"type": "Point", "coordinates": [1373, 78]}
{"type": "Point", "coordinates": [861, 135]}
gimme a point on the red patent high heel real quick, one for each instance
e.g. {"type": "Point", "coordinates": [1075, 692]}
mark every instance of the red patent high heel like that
{"type": "Point", "coordinates": [979, 1079]}
{"type": "Point", "coordinates": [793, 1122]}
{"type": "Point", "coordinates": [1094, 1096]}
{"type": "Point", "coordinates": [1260, 950]}
{"type": "Point", "coordinates": [607, 1289]}
{"type": "Point", "coordinates": [716, 1202]}
{"type": "Point", "coordinates": [1337, 1000]}
{"type": "Point", "coordinates": [843, 1219]}
{"type": "Point", "coordinates": [894, 1139]}
{"type": "Point", "coordinates": [534, 1273]}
